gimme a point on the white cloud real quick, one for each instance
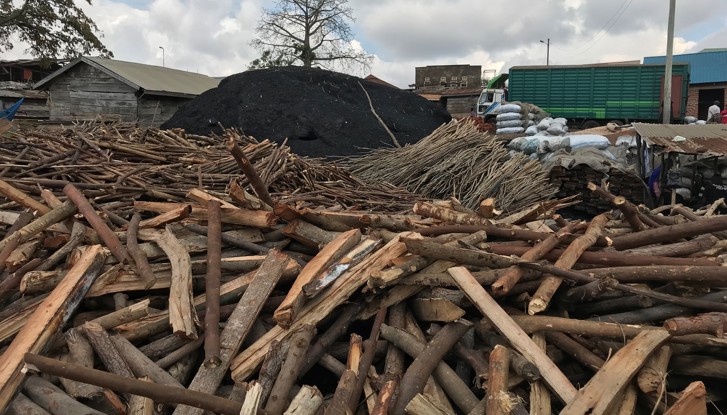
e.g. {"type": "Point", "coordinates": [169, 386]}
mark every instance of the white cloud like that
{"type": "Point", "coordinates": [213, 37]}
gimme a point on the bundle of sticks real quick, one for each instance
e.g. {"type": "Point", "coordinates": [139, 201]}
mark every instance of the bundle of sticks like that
{"type": "Point", "coordinates": [240, 303]}
{"type": "Point", "coordinates": [459, 160]}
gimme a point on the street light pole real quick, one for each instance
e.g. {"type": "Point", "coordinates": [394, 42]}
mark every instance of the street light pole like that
{"type": "Point", "coordinates": [547, 53]}
{"type": "Point", "coordinates": [162, 48]}
{"type": "Point", "coordinates": [666, 105]}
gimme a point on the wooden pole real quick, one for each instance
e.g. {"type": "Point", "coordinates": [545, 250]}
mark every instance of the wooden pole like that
{"type": "Point", "coordinates": [212, 285]}
{"type": "Point", "coordinates": [48, 318]}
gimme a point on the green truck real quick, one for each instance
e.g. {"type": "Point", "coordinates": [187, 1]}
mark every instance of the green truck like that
{"type": "Point", "coordinates": [593, 95]}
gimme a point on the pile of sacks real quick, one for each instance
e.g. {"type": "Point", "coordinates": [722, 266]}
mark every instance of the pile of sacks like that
{"type": "Point", "coordinates": [539, 145]}
{"type": "Point", "coordinates": [515, 118]}
{"type": "Point", "coordinates": [694, 121]}
{"type": "Point", "coordinates": [549, 126]}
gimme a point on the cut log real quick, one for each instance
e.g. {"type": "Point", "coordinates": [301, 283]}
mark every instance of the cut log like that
{"type": "Point", "coordinates": [47, 320]}
{"type": "Point", "coordinates": [289, 372]}
{"type": "Point", "coordinates": [670, 233]}
{"type": "Point", "coordinates": [692, 402]}
{"type": "Point", "coordinates": [599, 393]}
{"type": "Point", "coordinates": [182, 314]}
{"type": "Point", "coordinates": [551, 283]}
{"type": "Point", "coordinates": [497, 379]}
{"type": "Point", "coordinates": [508, 328]}
{"type": "Point", "coordinates": [421, 405]}
{"type": "Point", "coordinates": [306, 402]}
{"type": "Point", "coordinates": [212, 286]}
{"type": "Point", "coordinates": [159, 393]}
{"type": "Point", "coordinates": [293, 302]}
{"type": "Point", "coordinates": [238, 326]}
{"type": "Point", "coordinates": [652, 377]}
{"type": "Point", "coordinates": [53, 399]}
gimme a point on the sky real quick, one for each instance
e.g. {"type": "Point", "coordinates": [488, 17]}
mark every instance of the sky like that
{"type": "Point", "coordinates": [213, 36]}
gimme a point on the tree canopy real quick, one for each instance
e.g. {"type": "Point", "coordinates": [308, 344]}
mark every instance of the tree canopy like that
{"type": "Point", "coordinates": [52, 28]}
{"type": "Point", "coordinates": [310, 32]}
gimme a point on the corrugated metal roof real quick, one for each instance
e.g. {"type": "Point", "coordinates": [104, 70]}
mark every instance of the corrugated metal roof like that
{"type": "Point", "coordinates": [706, 67]}
{"type": "Point", "coordinates": [710, 139]}
{"type": "Point", "coordinates": [154, 80]}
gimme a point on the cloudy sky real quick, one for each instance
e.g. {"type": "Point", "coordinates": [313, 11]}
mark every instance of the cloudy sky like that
{"type": "Point", "coordinates": [213, 36]}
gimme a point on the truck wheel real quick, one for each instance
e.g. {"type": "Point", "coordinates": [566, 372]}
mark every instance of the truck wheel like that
{"type": "Point", "coordinates": [590, 124]}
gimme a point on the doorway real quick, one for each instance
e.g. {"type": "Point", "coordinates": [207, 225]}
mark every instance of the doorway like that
{"type": "Point", "coordinates": [707, 98]}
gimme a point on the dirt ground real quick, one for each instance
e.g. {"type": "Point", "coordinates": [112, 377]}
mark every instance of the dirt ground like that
{"type": "Point", "coordinates": [321, 113]}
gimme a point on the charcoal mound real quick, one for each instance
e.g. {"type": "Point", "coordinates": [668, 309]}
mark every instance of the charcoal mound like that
{"type": "Point", "coordinates": [321, 113]}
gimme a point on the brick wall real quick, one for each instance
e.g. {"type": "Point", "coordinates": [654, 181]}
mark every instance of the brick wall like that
{"type": "Point", "coordinates": [693, 98]}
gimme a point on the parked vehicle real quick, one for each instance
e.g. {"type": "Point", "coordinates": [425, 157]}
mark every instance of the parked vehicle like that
{"type": "Point", "coordinates": [592, 95]}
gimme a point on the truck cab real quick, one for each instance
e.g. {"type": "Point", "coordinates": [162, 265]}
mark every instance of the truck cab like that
{"type": "Point", "coordinates": [492, 97]}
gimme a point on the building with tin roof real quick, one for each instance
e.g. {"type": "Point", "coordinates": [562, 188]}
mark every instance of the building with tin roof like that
{"type": "Point", "coordinates": [708, 78]}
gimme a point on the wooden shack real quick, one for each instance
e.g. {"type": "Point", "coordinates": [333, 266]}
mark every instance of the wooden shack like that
{"type": "Point", "coordinates": [89, 87]}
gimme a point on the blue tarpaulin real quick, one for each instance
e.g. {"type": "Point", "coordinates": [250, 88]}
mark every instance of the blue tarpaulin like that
{"type": "Point", "coordinates": [9, 113]}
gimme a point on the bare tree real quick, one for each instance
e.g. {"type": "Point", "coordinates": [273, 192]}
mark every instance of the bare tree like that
{"type": "Point", "coordinates": [310, 32]}
{"type": "Point", "coordinates": [51, 28]}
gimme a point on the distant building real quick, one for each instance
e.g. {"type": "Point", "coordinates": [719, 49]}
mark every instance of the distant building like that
{"type": "Point", "coordinates": [89, 87]}
{"type": "Point", "coordinates": [707, 80]}
{"type": "Point", "coordinates": [447, 76]}
{"type": "Point", "coordinates": [376, 80]}
{"type": "Point", "coordinates": [16, 81]}
{"type": "Point", "coordinates": [455, 87]}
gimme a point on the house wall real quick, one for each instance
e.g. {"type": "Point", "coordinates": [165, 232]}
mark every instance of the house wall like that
{"type": "Point", "coordinates": [460, 106]}
{"type": "Point", "coordinates": [155, 110]}
{"type": "Point", "coordinates": [84, 92]}
{"type": "Point", "coordinates": [450, 75]}
{"type": "Point", "coordinates": [693, 98]}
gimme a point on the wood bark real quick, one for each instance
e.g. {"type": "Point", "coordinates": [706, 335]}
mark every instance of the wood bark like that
{"type": "Point", "coordinates": [424, 364]}
{"type": "Point", "coordinates": [520, 341]}
{"type": "Point", "coordinates": [111, 358]}
{"type": "Point", "coordinates": [708, 323]}
{"type": "Point", "coordinates": [212, 286]}
{"type": "Point", "coordinates": [53, 399]}
{"type": "Point", "coordinates": [21, 405]}
{"type": "Point", "coordinates": [290, 370]}
{"type": "Point", "coordinates": [159, 393]}
{"type": "Point", "coordinates": [497, 379]}
{"type": "Point", "coordinates": [693, 401]}
{"type": "Point", "coordinates": [141, 365]}
{"type": "Point", "coordinates": [294, 300]}
{"type": "Point", "coordinates": [551, 283]}
{"type": "Point", "coordinates": [652, 377]}
{"type": "Point", "coordinates": [59, 214]}
{"type": "Point", "coordinates": [47, 320]}
{"type": "Point", "coordinates": [598, 395]}
{"type": "Point", "coordinates": [182, 315]}
{"type": "Point", "coordinates": [261, 190]}
{"type": "Point", "coordinates": [238, 326]}
{"type": "Point", "coordinates": [137, 255]}
{"type": "Point", "coordinates": [670, 233]}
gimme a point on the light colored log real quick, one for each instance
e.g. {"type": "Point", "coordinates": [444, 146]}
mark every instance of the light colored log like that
{"type": "Point", "coordinates": [182, 315]}
{"type": "Point", "coordinates": [252, 399]}
{"type": "Point", "coordinates": [598, 395]}
{"type": "Point", "coordinates": [420, 405]}
{"type": "Point", "coordinates": [555, 379]}
{"type": "Point", "coordinates": [306, 401]}
{"type": "Point", "coordinates": [48, 318]}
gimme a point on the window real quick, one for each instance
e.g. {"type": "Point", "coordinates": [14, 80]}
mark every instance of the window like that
{"type": "Point", "coordinates": [427, 79]}
{"type": "Point", "coordinates": [464, 79]}
{"type": "Point", "coordinates": [454, 79]}
{"type": "Point", "coordinates": [443, 80]}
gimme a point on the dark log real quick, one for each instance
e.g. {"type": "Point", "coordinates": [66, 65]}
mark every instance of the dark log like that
{"type": "Point", "coordinates": [670, 233]}
{"type": "Point", "coordinates": [425, 363]}
{"type": "Point", "coordinates": [53, 399]}
{"type": "Point", "coordinates": [159, 393]}
{"type": "Point", "coordinates": [261, 190]}
{"type": "Point", "coordinates": [137, 255]}
{"type": "Point", "coordinates": [212, 285]}
{"type": "Point", "coordinates": [289, 372]}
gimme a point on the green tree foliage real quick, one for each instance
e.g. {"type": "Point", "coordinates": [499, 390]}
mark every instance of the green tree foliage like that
{"type": "Point", "coordinates": [52, 28]}
{"type": "Point", "coordinates": [310, 32]}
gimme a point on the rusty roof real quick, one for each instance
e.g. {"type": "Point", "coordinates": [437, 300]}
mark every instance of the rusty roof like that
{"type": "Point", "coordinates": [709, 139]}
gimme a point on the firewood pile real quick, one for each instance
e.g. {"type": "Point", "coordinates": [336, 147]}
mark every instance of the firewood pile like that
{"type": "Point", "coordinates": [458, 160]}
{"type": "Point", "coordinates": [151, 299]}
{"type": "Point", "coordinates": [573, 182]}
{"type": "Point", "coordinates": [165, 164]}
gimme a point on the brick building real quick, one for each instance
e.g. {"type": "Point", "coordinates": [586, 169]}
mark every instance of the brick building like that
{"type": "Point", "coordinates": [708, 79]}
{"type": "Point", "coordinates": [447, 76]}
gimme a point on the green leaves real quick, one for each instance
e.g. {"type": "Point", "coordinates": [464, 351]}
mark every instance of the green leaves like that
{"type": "Point", "coordinates": [53, 29]}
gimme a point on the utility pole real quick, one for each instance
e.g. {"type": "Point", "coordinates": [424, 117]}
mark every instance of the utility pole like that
{"type": "Point", "coordinates": [162, 48]}
{"type": "Point", "coordinates": [547, 51]}
{"type": "Point", "coordinates": [666, 105]}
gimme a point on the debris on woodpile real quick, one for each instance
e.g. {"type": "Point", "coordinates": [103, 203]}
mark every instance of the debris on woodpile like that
{"type": "Point", "coordinates": [126, 300]}
{"type": "Point", "coordinates": [457, 160]}
{"type": "Point", "coordinates": [119, 162]}
{"type": "Point", "coordinates": [320, 113]}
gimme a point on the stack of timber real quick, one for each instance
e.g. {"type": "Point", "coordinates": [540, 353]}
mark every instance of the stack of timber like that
{"type": "Point", "coordinates": [573, 181]}
{"type": "Point", "coordinates": [217, 303]}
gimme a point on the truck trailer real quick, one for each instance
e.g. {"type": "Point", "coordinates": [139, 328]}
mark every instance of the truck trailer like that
{"type": "Point", "coordinates": [593, 95]}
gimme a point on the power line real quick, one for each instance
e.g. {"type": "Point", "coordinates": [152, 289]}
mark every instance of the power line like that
{"type": "Point", "coordinates": [605, 29]}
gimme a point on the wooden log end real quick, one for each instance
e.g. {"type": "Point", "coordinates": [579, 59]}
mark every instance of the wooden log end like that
{"type": "Point", "coordinates": [536, 305]}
